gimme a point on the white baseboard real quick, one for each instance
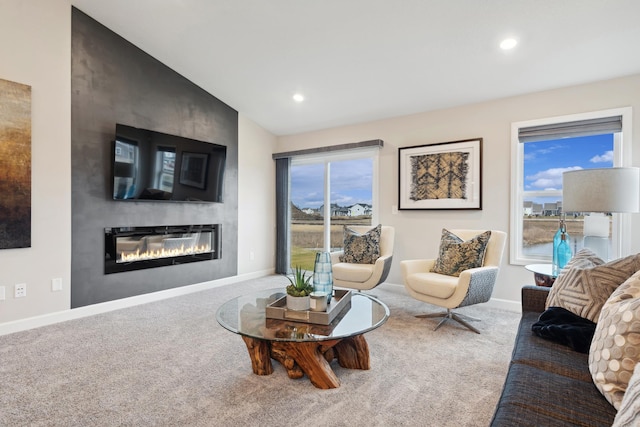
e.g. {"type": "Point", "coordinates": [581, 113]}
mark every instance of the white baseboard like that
{"type": "Point", "coordinates": [91, 310]}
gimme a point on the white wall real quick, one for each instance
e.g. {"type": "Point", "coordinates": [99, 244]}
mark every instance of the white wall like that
{"type": "Point", "coordinates": [35, 41]}
{"type": "Point", "coordinates": [256, 198]}
{"type": "Point", "coordinates": [418, 232]}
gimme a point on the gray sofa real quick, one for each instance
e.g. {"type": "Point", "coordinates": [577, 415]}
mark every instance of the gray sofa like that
{"type": "Point", "coordinates": [548, 384]}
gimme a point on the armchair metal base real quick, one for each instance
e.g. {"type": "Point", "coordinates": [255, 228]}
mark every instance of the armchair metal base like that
{"type": "Point", "coordinates": [446, 315]}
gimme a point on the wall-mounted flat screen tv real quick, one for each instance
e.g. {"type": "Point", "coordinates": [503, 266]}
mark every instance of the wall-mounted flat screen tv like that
{"type": "Point", "coordinates": [155, 166]}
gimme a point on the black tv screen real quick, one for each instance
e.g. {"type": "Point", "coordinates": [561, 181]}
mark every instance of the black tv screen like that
{"type": "Point", "coordinates": [150, 165]}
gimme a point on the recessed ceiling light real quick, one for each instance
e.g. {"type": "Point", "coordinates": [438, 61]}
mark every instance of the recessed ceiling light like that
{"type": "Point", "coordinates": [507, 44]}
{"type": "Point", "coordinates": [298, 97]}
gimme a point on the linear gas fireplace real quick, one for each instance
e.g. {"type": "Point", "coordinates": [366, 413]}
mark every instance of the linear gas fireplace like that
{"type": "Point", "coordinates": [136, 248]}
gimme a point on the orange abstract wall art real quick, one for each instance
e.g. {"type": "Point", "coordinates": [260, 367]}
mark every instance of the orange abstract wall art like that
{"type": "Point", "coordinates": [15, 165]}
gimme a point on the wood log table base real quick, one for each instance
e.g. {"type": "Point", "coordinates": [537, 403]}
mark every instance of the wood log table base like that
{"type": "Point", "coordinates": [312, 358]}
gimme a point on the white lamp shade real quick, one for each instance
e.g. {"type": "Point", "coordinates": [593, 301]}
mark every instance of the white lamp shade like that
{"type": "Point", "coordinates": [601, 190]}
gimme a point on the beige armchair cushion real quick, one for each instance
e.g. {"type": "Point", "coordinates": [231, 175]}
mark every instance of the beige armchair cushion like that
{"type": "Point", "coordinates": [353, 272]}
{"type": "Point", "coordinates": [433, 284]}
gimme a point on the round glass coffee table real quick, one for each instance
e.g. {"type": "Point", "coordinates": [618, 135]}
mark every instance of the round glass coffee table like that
{"type": "Point", "coordinates": [304, 348]}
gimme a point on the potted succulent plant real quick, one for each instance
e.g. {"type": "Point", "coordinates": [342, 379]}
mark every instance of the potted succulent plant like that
{"type": "Point", "coordinates": [298, 291]}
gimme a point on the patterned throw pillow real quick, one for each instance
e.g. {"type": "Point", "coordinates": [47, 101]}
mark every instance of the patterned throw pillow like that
{"type": "Point", "coordinates": [361, 248]}
{"type": "Point", "coordinates": [455, 255]}
{"type": "Point", "coordinates": [584, 285]}
{"type": "Point", "coordinates": [615, 349]}
{"type": "Point", "coordinates": [629, 413]}
{"type": "Point", "coordinates": [584, 258]}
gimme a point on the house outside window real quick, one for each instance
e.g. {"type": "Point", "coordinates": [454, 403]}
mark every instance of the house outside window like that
{"type": "Point", "coordinates": [541, 151]}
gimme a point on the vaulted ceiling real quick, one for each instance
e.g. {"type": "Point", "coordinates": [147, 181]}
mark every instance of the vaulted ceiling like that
{"type": "Point", "coordinates": [361, 60]}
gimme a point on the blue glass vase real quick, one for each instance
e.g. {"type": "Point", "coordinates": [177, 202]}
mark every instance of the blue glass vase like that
{"type": "Point", "coordinates": [562, 229]}
{"type": "Point", "coordinates": [564, 252]}
{"type": "Point", "coordinates": [323, 275]}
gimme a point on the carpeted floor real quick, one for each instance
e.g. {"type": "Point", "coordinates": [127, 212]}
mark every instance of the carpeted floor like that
{"type": "Point", "coordinates": [169, 363]}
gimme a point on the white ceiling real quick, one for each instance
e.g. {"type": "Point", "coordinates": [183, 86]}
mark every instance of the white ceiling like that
{"type": "Point", "coordinates": [362, 60]}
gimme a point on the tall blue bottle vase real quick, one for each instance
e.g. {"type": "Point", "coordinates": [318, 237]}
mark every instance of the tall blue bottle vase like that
{"type": "Point", "coordinates": [556, 265]}
{"type": "Point", "coordinates": [323, 275]}
{"type": "Point", "coordinates": [564, 251]}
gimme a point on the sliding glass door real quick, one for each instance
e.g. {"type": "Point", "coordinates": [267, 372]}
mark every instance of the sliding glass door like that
{"type": "Point", "coordinates": [327, 193]}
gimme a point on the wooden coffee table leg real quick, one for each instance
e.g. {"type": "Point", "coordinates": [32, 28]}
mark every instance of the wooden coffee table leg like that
{"type": "Point", "coordinates": [353, 353]}
{"type": "Point", "coordinates": [311, 360]}
{"type": "Point", "coordinates": [260, 355]}
{"type": "Point", "coordinates": [293, 370]}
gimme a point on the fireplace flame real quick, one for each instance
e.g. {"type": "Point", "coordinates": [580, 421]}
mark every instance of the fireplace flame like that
{"type": "Point", "coordinates": [163, 253]}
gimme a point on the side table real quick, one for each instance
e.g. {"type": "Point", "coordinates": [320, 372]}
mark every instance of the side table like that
{"type": "Point", "coordinates": [542, 274]}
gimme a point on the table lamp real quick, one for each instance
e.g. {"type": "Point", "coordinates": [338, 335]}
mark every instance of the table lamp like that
{"type": "Point", "coordinates": [600, 191]}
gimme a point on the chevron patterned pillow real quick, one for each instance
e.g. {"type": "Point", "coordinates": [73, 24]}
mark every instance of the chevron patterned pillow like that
{"type": "Point", "coordinates": [583, 286]}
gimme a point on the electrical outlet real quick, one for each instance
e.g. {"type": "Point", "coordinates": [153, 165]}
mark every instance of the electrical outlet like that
{"type": "Point", "coordinates": [3, 295]}
{"type": "Point", "coordinates": [56, 284]}
{"type": "Point", "coordinates": [20, 290]}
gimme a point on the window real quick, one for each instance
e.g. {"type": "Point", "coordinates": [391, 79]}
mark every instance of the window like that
{"type": "Point", "coordinates": [326, 194]}
{"type": "Point", "coordinates": [541, 151]}
{"type": "Point", "coordinates": [317, 192]}
{"type": "Point", "coordinates": [164, 169]}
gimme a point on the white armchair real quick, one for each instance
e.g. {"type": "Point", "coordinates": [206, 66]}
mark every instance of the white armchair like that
{"type": "Point", "coordinates": [365, 276]}
{"type": "Point", "coordinates": [473, 286]}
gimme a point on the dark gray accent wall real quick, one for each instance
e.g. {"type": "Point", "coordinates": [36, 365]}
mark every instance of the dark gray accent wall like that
{"type": "Point", "coordinates": [113, 81]}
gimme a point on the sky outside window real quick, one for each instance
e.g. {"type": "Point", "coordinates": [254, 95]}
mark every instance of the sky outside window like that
{"type": "Point", "coordinates": [545, 161]}
{"type": "Point", "coordinates": [351, 183]}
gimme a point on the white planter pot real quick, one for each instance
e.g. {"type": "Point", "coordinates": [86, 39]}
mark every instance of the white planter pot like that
{"type": "Point", "coordinates": [298, 303]}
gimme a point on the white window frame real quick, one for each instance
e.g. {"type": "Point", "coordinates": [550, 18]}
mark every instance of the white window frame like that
{"type": "Point", "coordinates": [621, 228]}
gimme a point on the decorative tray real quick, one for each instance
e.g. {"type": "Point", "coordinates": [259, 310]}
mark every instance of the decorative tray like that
{"type": "Point", "coordinates": [340, 301]}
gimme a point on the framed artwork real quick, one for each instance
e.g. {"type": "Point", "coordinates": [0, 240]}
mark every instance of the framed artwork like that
{"type": "Point", "coordinates": [193, 169]}
{"type": "Point", "coordinates": [446, 175]}
{"type": "Point", "coordinates": [15, 165]}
